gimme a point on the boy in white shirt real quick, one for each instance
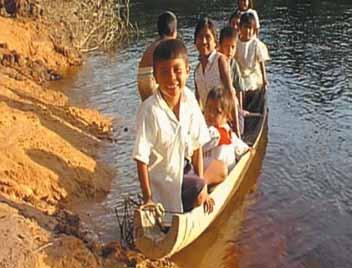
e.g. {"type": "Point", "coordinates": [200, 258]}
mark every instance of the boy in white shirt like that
{"type": "Point", "coordinates": [251, 55]}
{"type": "Point", "coordinates": [170, 129]}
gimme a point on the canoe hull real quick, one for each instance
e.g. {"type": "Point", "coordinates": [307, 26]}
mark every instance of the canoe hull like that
{"type": "Point", "coordinates": [187, 227]}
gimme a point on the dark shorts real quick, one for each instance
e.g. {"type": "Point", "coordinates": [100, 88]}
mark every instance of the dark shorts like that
{"type": "Point", "coordinates": [252, 100]}
{"type": "Point", "coordinates": [192, 185]}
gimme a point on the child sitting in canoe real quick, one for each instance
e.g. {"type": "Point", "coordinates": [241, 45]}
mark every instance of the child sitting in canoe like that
{"type": "Point", "coordinates": [213, 68]}
{"type": "Point", "coordinates": [170, 129]}
{"type": "Point", "coordinates": [224, 144]}
{"type": "Point", "coordinates": [167, 28]}
{"type": "Point", "coordinates": [251, 55]}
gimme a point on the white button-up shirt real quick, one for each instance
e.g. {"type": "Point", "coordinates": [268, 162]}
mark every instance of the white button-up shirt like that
{"type": "Point", "coordinates": [248, 55]}
{"type": "Point", "coordinates": [163, 141]}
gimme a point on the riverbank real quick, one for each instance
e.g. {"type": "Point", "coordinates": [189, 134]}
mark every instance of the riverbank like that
{"type": "Point", "coordinates": [48, 157]}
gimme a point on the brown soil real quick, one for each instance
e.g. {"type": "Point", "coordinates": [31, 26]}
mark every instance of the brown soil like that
{"type": "Point", "coordinates": [48, 159]}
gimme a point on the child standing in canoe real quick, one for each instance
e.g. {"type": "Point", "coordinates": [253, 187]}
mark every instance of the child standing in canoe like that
{"type": "Point", "coordinates": [227, 46]}
{"type": "Point", "coordinates": [251, 55]}
{"type": "Point", "coordinates": [167, 29]}
{"type": "Point", "coordinates": [170, 129]}
{"type": "Point", "coordinates": [246, 6]}
{"type": "Point", "coordinates": [213, 68]}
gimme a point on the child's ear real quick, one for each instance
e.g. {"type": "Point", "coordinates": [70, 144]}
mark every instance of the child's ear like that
{"type": "Point", "coordinates": [154, 75]}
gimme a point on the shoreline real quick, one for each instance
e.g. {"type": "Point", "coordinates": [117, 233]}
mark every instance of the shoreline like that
{"type": "Point", "coordinates": [48, 158]}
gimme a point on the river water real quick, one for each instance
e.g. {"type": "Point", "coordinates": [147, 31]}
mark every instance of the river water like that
{"type": "Point", "coordinates": [295, 209]}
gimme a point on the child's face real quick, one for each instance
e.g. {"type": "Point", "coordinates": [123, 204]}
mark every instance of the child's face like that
{"type": "Point", "coordinates": [243, 4]}
{"type": "Point", "coordinates": [228, 47]}
{"type": "Point", "coordinates": [246, 32]}
{"type": "Point", "coordinates": [171, 75]}
{"type": "Point", "coordinates": [214, 115]}
{"type": "Point", "coordinates": [235, 22]}
{"type": "Point", "coordinates": [205, 42]}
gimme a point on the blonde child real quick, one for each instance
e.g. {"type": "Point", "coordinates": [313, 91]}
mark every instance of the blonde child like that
{"type": "Point", "coordinates": [251, 55]}
{"type": "Point", "coordinates": [167, 28]}
{"type": "Point", "coordinates": [213, 68]}
{"type": "Point", "coordinates": [224, 144]}
{"type": "Point", "coordinates": [170, 129]}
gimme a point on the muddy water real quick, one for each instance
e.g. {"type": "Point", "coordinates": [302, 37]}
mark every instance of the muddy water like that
{"type": "Point", "coordinates": [297, 200]}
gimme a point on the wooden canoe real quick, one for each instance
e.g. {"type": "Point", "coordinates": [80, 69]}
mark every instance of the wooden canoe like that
{"type": "Point", "coordinates": [186, 227]}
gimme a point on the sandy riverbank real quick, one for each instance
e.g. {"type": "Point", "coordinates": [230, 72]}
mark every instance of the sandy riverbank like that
{"type": "Point", "coordinates": [48, 154]}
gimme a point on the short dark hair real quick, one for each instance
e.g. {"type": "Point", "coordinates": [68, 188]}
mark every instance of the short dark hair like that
{"type": "Point", "coordinates": [228, 32]}
{"type": "Point", "coordinates": [205, 22]}
{"type": "Point", "coordinates": [168, 50]}
{"type": "Point", "coordinates": [248, 20]}
{"type": "Point", "coordinates": [234, 15]}
{"type": "Point", "coordinates": [250, 4]}
{"type": "Point", "coordinates": [167, 23]}
{"type": "Point", "coordinates": [224, 98]}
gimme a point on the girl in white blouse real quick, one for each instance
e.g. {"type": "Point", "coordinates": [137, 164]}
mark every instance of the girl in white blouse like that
{"type": "Point", "coordinates": [224, 145]}
{"type": "Point", "coordinates": [251, 55]}
{"type": "Point", "coordinates": [213, 68]}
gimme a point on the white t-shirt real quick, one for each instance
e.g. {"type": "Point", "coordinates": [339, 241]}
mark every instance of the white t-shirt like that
{"type": "Point", "coordinates": [163, 141]}
{"type": "Point", "coordinates": [248, 55]}
{"type": "Point", "coordinates": [209, 78]}
{"type": "Point", "coordinates": [225, 152]}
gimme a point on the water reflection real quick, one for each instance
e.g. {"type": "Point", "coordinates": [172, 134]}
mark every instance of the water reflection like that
{"type": "Point", "coordinates": [301, 213]}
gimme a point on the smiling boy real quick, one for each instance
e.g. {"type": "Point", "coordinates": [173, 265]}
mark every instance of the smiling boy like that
{"type": "Point", "coordinates": [170, 129]}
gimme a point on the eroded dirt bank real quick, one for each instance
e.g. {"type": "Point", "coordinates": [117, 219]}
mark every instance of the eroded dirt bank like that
{"type": "Point", "coordinates": [48, 157]}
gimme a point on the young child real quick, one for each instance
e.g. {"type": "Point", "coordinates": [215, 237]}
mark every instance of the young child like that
{"type": "Point", "coordinates": [227, 46]}
{"type": "Point", "coordinates": [246, 6]}
{"type": "Point", "coordinates": [224, 144]}
{"type": "Point", "coordinates": [234, 20]}
{"type": "Point", "coordinates": [213, 68]}
{"type": "Point", "coordinates": [170, 129]}
{"type": "Point", "coordinates": [167, 28]}
{"type": "Point", "coordinates": [251, 55]}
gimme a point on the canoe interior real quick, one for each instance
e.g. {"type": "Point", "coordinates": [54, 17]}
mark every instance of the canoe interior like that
{"type": "Point", "coordinates": [186, 227]}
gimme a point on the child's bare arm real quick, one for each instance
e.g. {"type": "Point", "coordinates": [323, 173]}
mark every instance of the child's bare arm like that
{"type": "Point", "coordinates": [227, 82]}
{"type": "Point", "coordinates": [204, 198]}
{"type": "Point", "coordinates": [263, 70]}
{"type": "Point", "coordinates": [197, 162]}
{"type": "Point", "coordinates": [143, 177]}
{"type": "Point", "coordinates": [224, 70]}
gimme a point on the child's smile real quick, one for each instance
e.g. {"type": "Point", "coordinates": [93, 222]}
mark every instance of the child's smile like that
{"type": "Point", "coordinates": [171, 76]}
{"type": "Point", "coordinates": [205, 42]}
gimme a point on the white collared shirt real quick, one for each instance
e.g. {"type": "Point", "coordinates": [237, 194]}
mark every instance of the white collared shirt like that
{"type": "Point", "coordinates": [248, 55]}
{"type": "Point", "coordinates": [163, 141]}
{"type": "Point", "coordinates": [209, 78]}
{"type": "Point", "coordinates": [228, 153]}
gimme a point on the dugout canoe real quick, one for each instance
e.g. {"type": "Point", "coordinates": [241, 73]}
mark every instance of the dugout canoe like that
{"type": "Point", "coordinates": [186, 227]}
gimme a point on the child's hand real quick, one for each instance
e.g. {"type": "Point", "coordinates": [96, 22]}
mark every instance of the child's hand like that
{"type": "Point", "coordinates": [148, 203]}
{"type": "Point", "coordinates": [265, 84]}
{"type": "Point", "coordinates": [208, 204]}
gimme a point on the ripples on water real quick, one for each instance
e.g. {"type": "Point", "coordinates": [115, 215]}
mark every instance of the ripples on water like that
{"type": "Point", "coordinates": [300, 215]}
